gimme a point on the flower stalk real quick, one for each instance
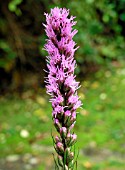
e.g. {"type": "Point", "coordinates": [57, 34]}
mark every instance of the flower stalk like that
{"type": "Point", "coordinates": [61, 83]}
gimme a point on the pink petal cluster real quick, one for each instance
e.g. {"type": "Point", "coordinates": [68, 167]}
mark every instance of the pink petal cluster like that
{"type": "Point", "coordinates": [61, 83]}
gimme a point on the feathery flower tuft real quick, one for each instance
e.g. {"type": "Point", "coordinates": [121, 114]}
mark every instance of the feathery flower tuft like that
{"type": "Point", "coordinates": [61, 83]}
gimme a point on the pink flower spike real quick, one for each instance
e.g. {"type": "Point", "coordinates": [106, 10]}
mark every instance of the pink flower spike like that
{"type": "Point", "coordinates": [60, 82]}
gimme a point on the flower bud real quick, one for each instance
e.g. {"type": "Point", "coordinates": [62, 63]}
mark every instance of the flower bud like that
{"type": "Point", "coordinates": [66, 167]}
{"type": "Point", "coordinates": [60, 160]}
{"type": "Point", "coordinates": [73, 117]}
{"type": "Point", "coordinates": [70, 120]}
{"type": "Point", "coordinates": [67, 151]}
{"type": "Point", "coordinates": [70, 157]}
{"type": "Point", "coordinates": [67, 115]}
{"type": "Point", "coordinates": [63, 132]}
{"type": "Point", "coordinates": [59, 148]}
{"type": "Point", "coordinates": [73, 139]}
{"type": "Point", "coordinates": [57, 139]}
{"type": "Point", "coordinates": [57, 124]}
{"type": "Point", "coordinates": [68, 136]}
{"type": "Point", "coordinates": [68, 139]}
{"type": "Point", "coordinates": [72, 126]}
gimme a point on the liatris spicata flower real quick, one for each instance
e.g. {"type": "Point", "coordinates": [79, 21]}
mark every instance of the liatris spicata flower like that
{"type": "Point", "coordinates": [61, 83]}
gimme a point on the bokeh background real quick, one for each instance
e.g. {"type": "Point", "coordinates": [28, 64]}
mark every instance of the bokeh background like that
{"type": "Point", "coordinates": [25, 111]}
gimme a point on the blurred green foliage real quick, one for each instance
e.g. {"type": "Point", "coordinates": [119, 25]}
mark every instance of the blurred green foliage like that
{"type": "Point", "coordinates": [13, 6]}
{"type": "Point", "coordinates": [100, 37]}
{"type": "Point", "coordinates": [6, 61]}
{"type": "Point", "coordinates": [101, 30]}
